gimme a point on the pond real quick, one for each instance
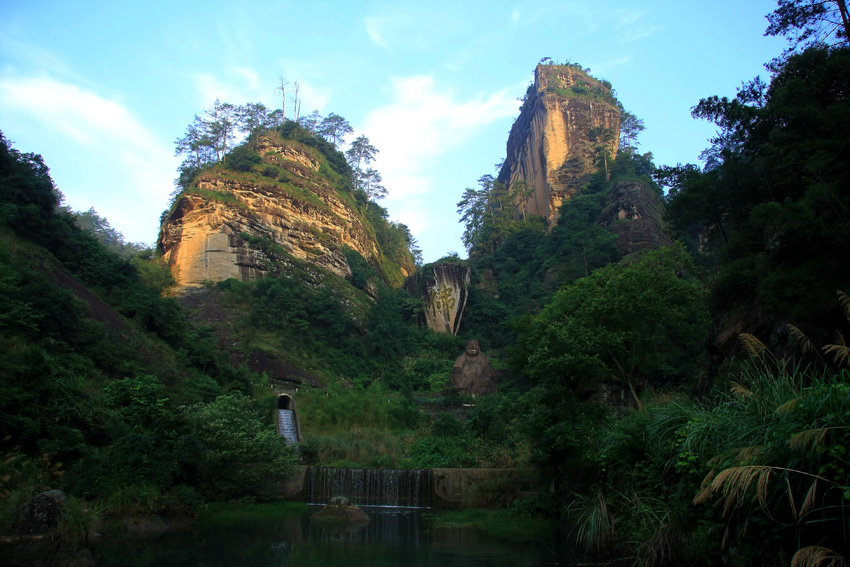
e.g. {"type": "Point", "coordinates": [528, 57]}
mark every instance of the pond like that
{"type": "Point", "coordinates": [394, 537]}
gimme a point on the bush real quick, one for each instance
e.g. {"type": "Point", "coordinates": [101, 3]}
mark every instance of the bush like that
{"type": "Point", "coordinates": [447, 425]}
{"type": "Point", "coordinates": [242, 158]}
{"type": "Point", "coordinates": [238, 453]}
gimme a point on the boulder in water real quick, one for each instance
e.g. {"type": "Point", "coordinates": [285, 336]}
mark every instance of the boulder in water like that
{"type": "Point", "coordinates": [32, 539]}
{"type": "Point", "coordinates": [39, 515]}
{"type": "Point", "coordinates": [341, 514]}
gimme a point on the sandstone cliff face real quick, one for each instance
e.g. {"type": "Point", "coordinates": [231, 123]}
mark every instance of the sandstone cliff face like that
{"type": "Point", "coordinates": [445, 297]}
{"type": "Point", "coordinates": [296, 210]}
{"type": "Point", "coordinates": [551, 146]}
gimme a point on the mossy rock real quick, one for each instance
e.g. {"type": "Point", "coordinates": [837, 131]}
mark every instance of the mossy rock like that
{"type": "Point", "coordinates": [340, 513]}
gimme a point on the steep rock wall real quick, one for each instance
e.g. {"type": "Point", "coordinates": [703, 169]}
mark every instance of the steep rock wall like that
{"type": "Point", "coordinates": [299, 212]}
{"type": "Point", "coordinates": [635, 214]}
{"type": "Point", "coordinates": [551, 146]}
{"type": "Point", "coordinates": [445, 295]}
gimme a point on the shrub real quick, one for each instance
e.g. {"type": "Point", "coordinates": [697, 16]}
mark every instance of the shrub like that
{"type": "Point", "coordinates": [242, 158]}
{"type": "Point", "coordinates": [238, 453]}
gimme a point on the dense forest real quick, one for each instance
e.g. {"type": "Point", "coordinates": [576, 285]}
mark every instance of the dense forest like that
{"type": "Point", "coordinates": [689, 405]}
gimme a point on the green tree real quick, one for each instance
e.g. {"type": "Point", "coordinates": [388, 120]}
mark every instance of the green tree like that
{"type": "Point", "coordinates": [221, 122]}
{"type": "Point", "coordinates": [773, 187]}
{"type": "Point", "coordinates": [520, 193]}
{"type": "Point", "coordinates": [311, 122]}
{"type": "Point", "coordinates": [630, 127]}
{"type": "Point", "coordinates": [625, 325]}
{"type": "Point", "coordinates": [488, 214]}
{"type": "Point", "coordinates": [196, 144]}
{"type": "Point", "coordinates": [359, 155]}
{"type": "Point", "coordinates": [253, 117]}
{"type": "Point", "coordinates": [111, 238]}
{"type": "Point", "coordinates": [472, 210]}
{"type": "Point", "coordinates": [238, 452]}
{"type": "Point", "coordinates": [371, 185]}
{"type": "Point", "coordinates": [334, 128]}
{"type": "Point", "coordinates": [807, 23]}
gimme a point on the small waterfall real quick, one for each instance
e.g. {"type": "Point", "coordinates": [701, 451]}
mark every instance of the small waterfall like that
{"type": "Point", "coordinates": [286, 426]}
{"type": "Point", "coordinates": [405, 488]}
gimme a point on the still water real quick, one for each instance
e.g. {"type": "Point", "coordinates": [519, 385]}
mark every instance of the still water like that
{"type": "Point", "coordinates": [394, 537]}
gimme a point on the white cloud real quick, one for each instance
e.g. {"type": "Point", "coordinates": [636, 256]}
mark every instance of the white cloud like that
{"type": "Point", "coordinates": [424, 121]}
{"type": "Point", "coordinates": [373, 28]}
{"type": "Point", "coordinates": [632, 26]}
{"type": "Point", "coordinates": [637, 33]}
{"type": "Point", "coordinates": [108, 159]}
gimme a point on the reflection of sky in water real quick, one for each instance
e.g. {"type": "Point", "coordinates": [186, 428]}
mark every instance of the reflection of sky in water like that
{"type": "Point", "coordinates": [393, 537]}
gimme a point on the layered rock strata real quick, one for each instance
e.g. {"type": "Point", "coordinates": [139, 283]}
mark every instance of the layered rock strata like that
{"type": "Point", "coordinates": [229, 224]}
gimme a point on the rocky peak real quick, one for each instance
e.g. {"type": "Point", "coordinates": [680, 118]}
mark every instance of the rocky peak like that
{"type": "Point", "coordinates": [231, 224]}
{"type": "Point", "coordinates": [567, 119]}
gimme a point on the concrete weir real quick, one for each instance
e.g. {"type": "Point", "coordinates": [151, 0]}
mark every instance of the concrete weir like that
{"type": "Point", "coordinates": [425, 488]}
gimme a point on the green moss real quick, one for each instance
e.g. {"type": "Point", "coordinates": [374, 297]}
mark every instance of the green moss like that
{"type": "Point", "coordinates": [225, 197]}
{"type": "Point", "coordinates": [585, 92]}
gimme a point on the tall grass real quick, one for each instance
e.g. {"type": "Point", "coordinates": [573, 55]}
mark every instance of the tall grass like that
{"type": "Point", "coordinates": [338, 410]}
{"type": "Point", "coordinates": [357, 447]}
{"type": "Point", "coordinates": [766, 460]}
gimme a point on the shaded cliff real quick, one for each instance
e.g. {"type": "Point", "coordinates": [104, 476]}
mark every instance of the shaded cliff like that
{"type": "Point", "coordinates": [568, 120]}
{"type": "Point", "coordinates": [635, 214]}
{"type": "Point", "coordinates": [237, 224]}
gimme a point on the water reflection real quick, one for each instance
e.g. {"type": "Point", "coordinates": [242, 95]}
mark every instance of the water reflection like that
{"type": "Point", "coordinates": [394, 537]}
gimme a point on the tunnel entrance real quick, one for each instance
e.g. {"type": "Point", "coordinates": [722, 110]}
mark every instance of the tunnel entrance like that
{"type": "Point", "coordinates": [284, 401]}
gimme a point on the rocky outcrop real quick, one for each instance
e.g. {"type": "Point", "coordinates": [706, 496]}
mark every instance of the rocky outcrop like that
{"type": "Point", "coordinates": [234, 225]}
{"type": "Point", "coordinates": [340, 514]}
{"type": "Point", "coordinates": [635, 214]}
{"type": "Point", "coordinates": [444, 292]}
{"type": "Point", "coordinates": [39, 515]}
{"type": "Point", "coordinates": [33, 538]}
{"type": "Point", "coordinates": [565, 122]}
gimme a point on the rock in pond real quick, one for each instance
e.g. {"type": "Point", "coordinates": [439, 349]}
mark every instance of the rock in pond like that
{"type": "Point", "coordinates": [31, 540]}
{"type": "Point", "coordinates": [339, 513]}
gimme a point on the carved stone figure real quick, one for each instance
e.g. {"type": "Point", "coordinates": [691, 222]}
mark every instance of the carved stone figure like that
{"type": "Point", "coordinates": [472, 372]}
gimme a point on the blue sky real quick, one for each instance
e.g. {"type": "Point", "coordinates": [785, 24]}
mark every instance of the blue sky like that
{"type": "Point", "coordinates": [102, 89]}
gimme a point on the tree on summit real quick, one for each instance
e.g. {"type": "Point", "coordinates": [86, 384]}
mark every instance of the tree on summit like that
{"type": "Point", "coordinates": [334, 128]}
